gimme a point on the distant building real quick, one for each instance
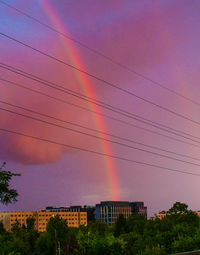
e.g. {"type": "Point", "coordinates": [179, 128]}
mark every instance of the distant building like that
{"type": "Point", "coordinates": [74, 219]}
{"type": "Point", "coordinates": [108, 211]}
{"type": "Point", "coordinates": [198, 213]}
{"type": "Point", "coordinates": [163, 214]}
{"type": "Point", "coordinates": [138, 208]}
{"type": "Point", "coordinates": [56, 209]}
{"type": "Point", "coordinates": [90, 210]}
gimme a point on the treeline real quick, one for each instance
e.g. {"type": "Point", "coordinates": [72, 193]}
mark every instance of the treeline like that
{"type": "Point", "coordinates": [177, 232]}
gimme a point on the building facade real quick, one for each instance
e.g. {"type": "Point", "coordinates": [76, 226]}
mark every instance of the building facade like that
{"type": "Point", "coordinates": [138, 208]}
{"type": "Point", "coordinates": [108, 211]}
{"type": "Point", "coordinates": [73, 219]}
{"type": "Point", "coordinates": [90, 210]}
{"type": "Point", "coordinates": [163, 214]}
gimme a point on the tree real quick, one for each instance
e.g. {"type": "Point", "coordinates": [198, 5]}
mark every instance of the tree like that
{"type": "Point", "coordinates": [16, 227]}
{"type": "Point", "coordinates": [54, 238]}
{"type": "Point", "coordinates": [30, 223]}
{"type": "Point", "coordinates": [154, 251]}
{"type": "Point", "coordinates": [120, 225]}
{"type": "Point", "coordinates": [97, 226]}
{"type": "Point", "coordinates": [44, 245]}
{"type": "Point", "coordinates": [7, 195]}
{"type": "Point", "coordinates": [136, 223]}
{"type": "Point", "coordinates": [178, 208]}
{"type": "Point", "coordinates": [2, 230]}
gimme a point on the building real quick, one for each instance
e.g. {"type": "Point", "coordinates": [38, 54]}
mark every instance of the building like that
{"type": "Point", "coordinates": [138, 208]}
{"type": "Point", "coordinates": [163, 214]}
{"type": "Point", "coordinates": [90, 210]}
{"type": "Point", "coordinates": [56, 209]}
{"type": "Point", "coordinates": [198, 213]}
{"type": "Point", "coordinates": [74, 219]}
{"type": "Point", "coordinates": [108, 211]}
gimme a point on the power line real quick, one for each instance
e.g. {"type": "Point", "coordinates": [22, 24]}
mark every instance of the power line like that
{"type": "Point", "coordinates": [97, 153]}
{"type": "Point", "coordinates": [82, 97]}
{"type": "Point", "coordinates": [99, 79]}
{"type": "Point", "coordinates": [102, 55]}
{"type": "Point", "coordinates": [97, 131]}
{"type": "Point", "coordinates": [101, 104]}
{"type": "Point", "coordinates": [97, 137]}
{"type": "Point", "coordinates": [98, 113]}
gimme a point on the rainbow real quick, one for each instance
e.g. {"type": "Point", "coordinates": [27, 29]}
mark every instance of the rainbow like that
{"type": "Point", "coordinates": [86, 86]}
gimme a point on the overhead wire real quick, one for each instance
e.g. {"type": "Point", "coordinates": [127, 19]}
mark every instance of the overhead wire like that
{"type": "Point", "coordinates": [97, 153]}
{"type": "Point", "coordinates": [95, 130]}
{"type": "Point", "coordinates": [99, 79]}
{"type": "Point", "coordinates": [99, 103]}
{"type": "Point", "coordinates": [98, 113]}
{"type": "Point", "coordinates": [115, 86]}
{"type": "Point", "coordinates": [97, 52]}
{"type": "Point", "coordinates": [97, 137]}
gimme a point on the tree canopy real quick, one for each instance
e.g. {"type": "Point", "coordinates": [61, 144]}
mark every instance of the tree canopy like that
{"type": "Point", "coordinates": [7, 194]}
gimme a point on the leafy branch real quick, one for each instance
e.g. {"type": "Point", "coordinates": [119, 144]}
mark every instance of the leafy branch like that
{"type": "Point", "coordinates": [7, 195]}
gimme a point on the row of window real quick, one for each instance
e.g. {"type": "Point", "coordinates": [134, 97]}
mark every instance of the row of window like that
{"type": "Point", "coordinates": [48, 220]}
{"type": "Point", "coordinates": [22, 215]}
{"type": "Point", "coordinates": [50, 215]}
{"type": "Point", "coordinates": [45, 215]}
{"type": "Point", "coordinates": [68, 220]}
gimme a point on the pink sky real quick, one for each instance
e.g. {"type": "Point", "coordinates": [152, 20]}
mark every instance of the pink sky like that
{"type": "Point", "coordinates": [157, 39]}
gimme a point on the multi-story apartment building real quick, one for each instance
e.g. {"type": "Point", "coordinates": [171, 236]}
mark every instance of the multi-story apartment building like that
{"type": "Point", "coordinates": [73, 219]}
{"type": "Point", "coordinates": [108, 211]}
{"type": "Point", "coordinates": [9, 218]}
{"type": "Point", "coordinates": [90, 210]}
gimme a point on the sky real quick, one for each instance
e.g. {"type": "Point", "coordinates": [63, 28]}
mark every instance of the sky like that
{"type": "Point", "coordinates": [156, 39]}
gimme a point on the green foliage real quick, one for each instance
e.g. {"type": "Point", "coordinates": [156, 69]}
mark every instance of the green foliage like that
{"type": "Point", "coordinates": [136, 223]}
{"type": "Point", "coordinates": [19, 241]}
{"type": "Point", "coordinates": [56, 235]}
{"type": "Point", "coordinates": [177, 232]}
{"type": "Point", "coordinates": [154, 251]}
{"type": "Point", "coordinates": [19, 246]}
{"type": "Point", "coordinates": [57, 228]}
{"type": "Point", "coordinates": [30, 223]}
{"type": "Point", "coordinates": [120, 226]}
{"type": "Point", "coordinates": [186, 243]}
{"type": "Point", "coordinates": [178, 208]}
{"type": "Point", "coordinates": [44, 245]}
{"type": "Point", "coordinates": [97, 227]}
{"type": "Point", "coordinates": [2, 230]}
{"type": "Point", "coordinates": [7, 195]}
{"type": "Point", "coordinates": [16, 227]}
